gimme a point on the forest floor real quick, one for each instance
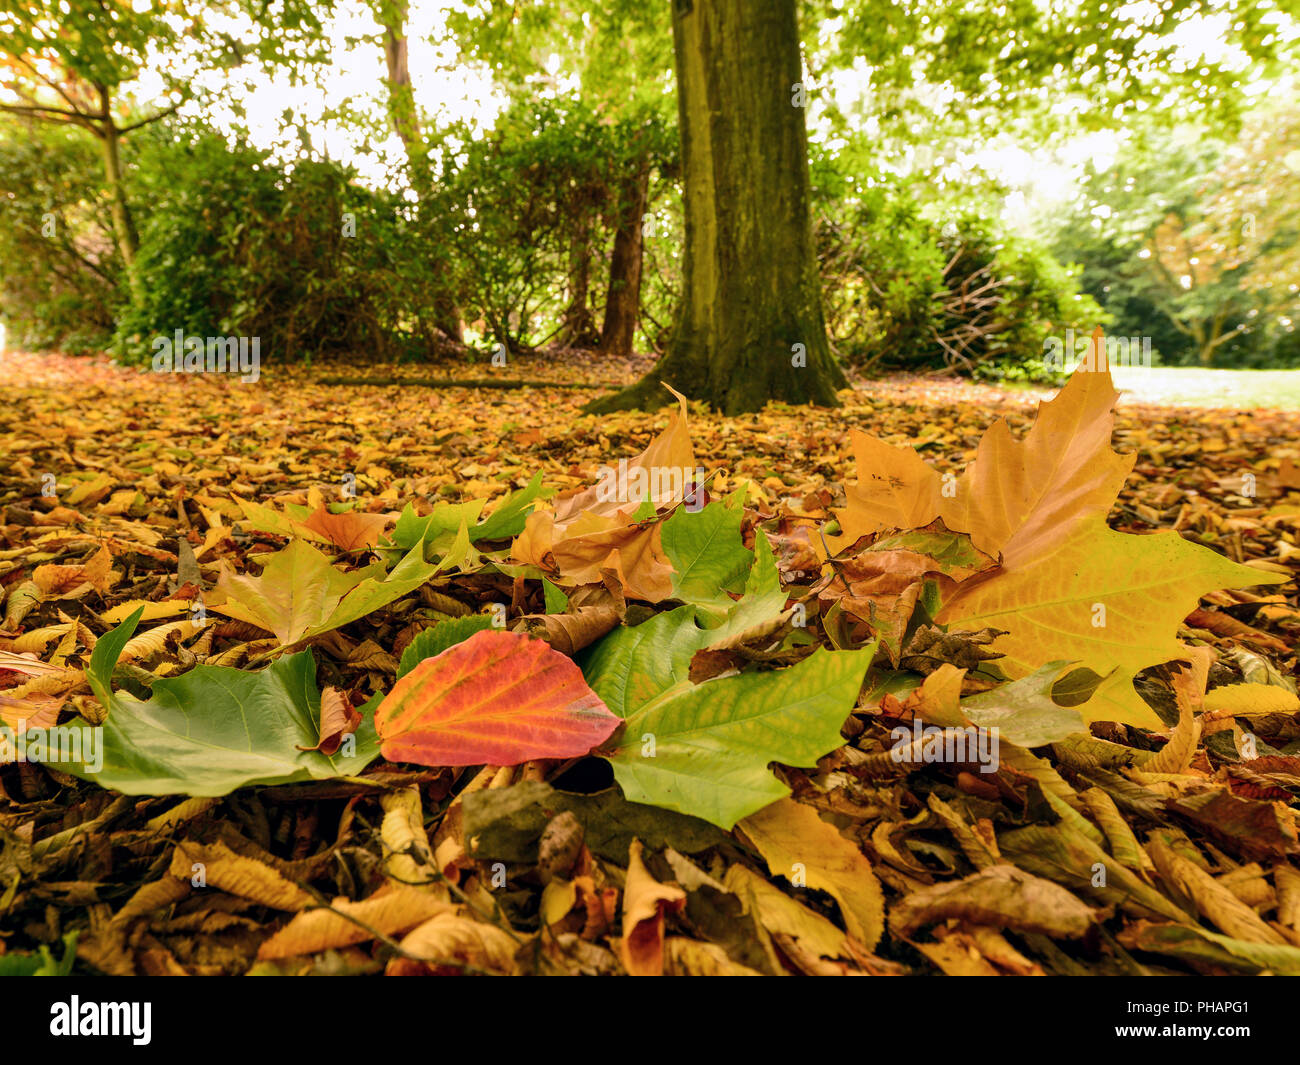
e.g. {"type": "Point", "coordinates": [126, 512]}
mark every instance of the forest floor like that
{"type": "Point", "coordinates": [152, 467]}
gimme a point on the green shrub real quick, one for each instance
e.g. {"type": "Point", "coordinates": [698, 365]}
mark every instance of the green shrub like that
{"type": "Point", "coordinates": [59, 267]}
{"type": "Point", "coordinates": [302, 257]}
{"type": "Point", "coordinates": [902, 289]}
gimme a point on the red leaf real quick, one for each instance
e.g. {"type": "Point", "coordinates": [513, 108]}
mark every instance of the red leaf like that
{"type": "Point", "coordinates": [498, 698]}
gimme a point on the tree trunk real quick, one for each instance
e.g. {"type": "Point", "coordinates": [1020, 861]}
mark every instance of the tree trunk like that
{"type": "Point", "coordinates": [579, 330]}
{"type": "Point", "coordinates": [110, 138]}
{"type": "Point", "coordinates": [623, 294]}
{"type": "Point", "coordinates": [750, 326]}
{"type": "Point", "coordinates": [406, 123]}
{"type": "Point", "coordinates": [401, 97]}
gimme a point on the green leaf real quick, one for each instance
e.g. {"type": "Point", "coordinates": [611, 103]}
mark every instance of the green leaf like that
{"type": "Point", "coordinates": [508, 519]}
{"type": "Point", "coordinates": [1023, 711]}
{"type": "Point", "coordinates": [707, 555]}
{"type": "Point", "coordinates": [763, 600]}
{"type": "Point", "coordinates": [437, 638]}
{"type": "Point", "coordinates": [215, 729]}
{"type": "Point", "coordinates": [104, 657]}
{"type": "Point", "coordinates": [704, 749]}
{"type": "Point", "coordinates": [556, 601]}
{"type": "Point", "coordinates": [301, 593]}
{"type": "Point", "coordinates": [634, 664]}
{"type": "Point", "coordinates": [434, 534]}
{"type": "Point", "coordinates": [438, 530]}
{"type": "Point", "coordinates": [42, 962]}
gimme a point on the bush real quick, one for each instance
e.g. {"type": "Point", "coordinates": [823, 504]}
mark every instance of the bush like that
{"type": "Point", "coordinates": [59, 267]}
{"type": "Point", "coordinates": [303, 258]}
{"type": "Point", "coordinates": [902, 290]}
{"type": "Point", "coordinates": [531, 211]}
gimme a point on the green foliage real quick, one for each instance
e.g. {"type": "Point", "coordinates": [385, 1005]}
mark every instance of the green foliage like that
{"type": "Point", "coordinates": [923, 286]}
{"type": "Point", "coordinates": [703, 749]}
{"type": "Point", "coordinates": [41, 962]}
{"type": "Point", "coordinates": [531, 209]}
{"type": "Point", "coordinates": [431, 642]}
{"type": "Point", "coordinates": [174, 742]}
{"type": "Point", "coordinates": [59, 267]}
{"type": "Point", "coordinates": [304, 258]}
{"type": "Point", "coordinates": [1192, 241]}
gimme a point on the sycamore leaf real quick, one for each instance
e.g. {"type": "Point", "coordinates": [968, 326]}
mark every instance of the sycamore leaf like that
{"type": "Point", "coordinates": [435, 531]}
{"type": "Point", "coordinates": [431, 642]}
{"type": "Point", "coordinates": [1106, 600]}
{"type": "Point", "coordinates": [896, 489]}
{"type": "Point", "coordinates": [498, 698]}
{"type": "Point", "coordinates": [352, 529]}
{"type": "Point", "coordinates": [633, 664]}
{"type": "Point", "coordinates": [604, 530]}
{"type": "Point", "coordinates": [507, 519]}
{"type": "Point", "coordinates": [301, 593]}
{"type": "Point", "coordinates": [213, 730]}
{"type": "Point", "coordinates": [438, 530]}
{"type": "Point", "coordinates": [704, 749]}
{"type": "Point", "coordinates": [1068, 587]}
{"type": "Point", "coordinates": [707, 555]}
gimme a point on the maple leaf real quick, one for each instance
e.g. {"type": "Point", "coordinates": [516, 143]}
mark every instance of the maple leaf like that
{"type": "Point", "coordinates": [1068, 587]}
{"type": "Point", "coordinates": [352, 530]}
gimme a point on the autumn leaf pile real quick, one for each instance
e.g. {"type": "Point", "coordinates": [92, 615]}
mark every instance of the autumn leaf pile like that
{"type": "Point", "coordinates": [388, 680]}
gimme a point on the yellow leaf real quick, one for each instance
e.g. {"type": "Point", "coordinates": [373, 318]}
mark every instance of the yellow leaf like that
{"type": "Point", "coordinates": [645, 901]}
{"type": "Point", "coordinates": [779, 913]}
{"type": "Point", "coordinates": [794, 840]}
{"type": "Point", "coordinates": [1243, 700]}
{"type": "Point", "coordinates": [390, 910]}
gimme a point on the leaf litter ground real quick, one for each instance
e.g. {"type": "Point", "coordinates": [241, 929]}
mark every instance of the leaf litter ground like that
{"type": "Point", "coordinates": [218, 575]}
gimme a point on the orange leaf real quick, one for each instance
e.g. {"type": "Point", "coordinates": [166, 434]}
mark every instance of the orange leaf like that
{"type": "Point", "coordinates": [498, 698]}
{"type": "Point", "coordinates": [352, 530]}
{"type": "Point", "coordinates": [338, 719]}
{"type": "Point", "coordinates": [645, 901]}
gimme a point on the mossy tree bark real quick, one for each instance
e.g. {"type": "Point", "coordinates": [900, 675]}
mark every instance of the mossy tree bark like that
{"type": "Point", "coordinates": [623, 293]}
{"type": "Point", "coordinates": [749, 328]}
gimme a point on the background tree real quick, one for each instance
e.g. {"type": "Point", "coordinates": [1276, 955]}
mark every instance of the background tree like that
{"type": "Point", "coordinates": [1199, 232]}
{"type": "Point", "coordinates": [750, 324]}
{"type": "Point", "coordinates": [66, 61]}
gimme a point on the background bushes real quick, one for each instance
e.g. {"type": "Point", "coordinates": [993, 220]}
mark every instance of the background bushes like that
{"type": "Point", "coordinates": [508, 244]}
